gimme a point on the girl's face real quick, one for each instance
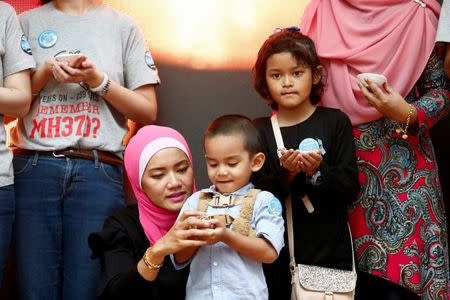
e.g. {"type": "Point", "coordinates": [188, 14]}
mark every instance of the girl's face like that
{"type": "Point", "coordinates": [289, 83]}
{"type": "Point", "coordinates": [168, 179]}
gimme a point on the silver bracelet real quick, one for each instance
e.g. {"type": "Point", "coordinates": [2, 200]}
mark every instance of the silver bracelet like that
{"type": "Point", "coordinates": [103, 88]}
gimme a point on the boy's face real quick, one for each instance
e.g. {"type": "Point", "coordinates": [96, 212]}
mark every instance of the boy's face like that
{"type": "Point", "coordinates": [289, 83]}
{"type": "Point", "coordinates": [229, 164]}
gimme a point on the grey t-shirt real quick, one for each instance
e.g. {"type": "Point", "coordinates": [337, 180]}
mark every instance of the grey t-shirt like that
{"type": "Point", "coordinates": [15, 56]}
{"type": "Point", "coordinates": [443, 32]}
{"type": "Point", "coordinates": [68, 115]}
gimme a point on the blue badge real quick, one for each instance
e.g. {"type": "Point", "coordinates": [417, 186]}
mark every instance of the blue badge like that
{"type": "Point", "coordinates": [47, 39]}
{"type": "Point", "coordinates": [308, 144]}
{"type": "Point", "coordinates": [25, 45]}
{"type": "Point", "coordinates": [275, 207]}
{"type": "Point", "coordinates": [149, 60]}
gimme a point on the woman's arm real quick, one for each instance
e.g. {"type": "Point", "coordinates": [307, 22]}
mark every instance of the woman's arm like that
{"type": "Point", "coordinates": [119, 246]}
{"type": "Point", "coordinates": [187, 233]}
{"type": "Point", "coordinates": [390, 103]}
{"type": "Point", "coordinates": [115, 248]}
{"type": "Point", "coordinates": [41, 76]}
{"type": "Point", "coordinates": [138, 105]}
{"type": "Point", "coordinates": [15, 95]}
{"type": "Point", "coordinates": [431, 106]}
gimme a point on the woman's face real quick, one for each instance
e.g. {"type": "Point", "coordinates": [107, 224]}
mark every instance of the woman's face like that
{"type": "Point", "coordinates": [168, 179]}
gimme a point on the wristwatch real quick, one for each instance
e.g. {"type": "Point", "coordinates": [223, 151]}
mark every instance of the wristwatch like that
{"type": "Point", "coordinates": [103, 88]}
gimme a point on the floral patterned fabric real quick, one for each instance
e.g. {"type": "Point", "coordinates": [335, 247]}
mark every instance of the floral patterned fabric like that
{"type": "Point", "coordinates": [398, 222]}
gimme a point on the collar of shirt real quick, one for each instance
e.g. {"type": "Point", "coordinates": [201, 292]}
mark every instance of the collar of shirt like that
{"type": "Point", "coordinates": [240, 192]}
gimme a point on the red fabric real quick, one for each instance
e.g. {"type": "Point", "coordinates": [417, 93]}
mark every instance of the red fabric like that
{"type": "Point", "coordinates": [23, 5]}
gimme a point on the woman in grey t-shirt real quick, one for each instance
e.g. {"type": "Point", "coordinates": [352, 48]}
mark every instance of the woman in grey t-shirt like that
{"type": "Point", "coordinates": [94, 72]}
{"type": "Point", "coordinates": [15, 98]}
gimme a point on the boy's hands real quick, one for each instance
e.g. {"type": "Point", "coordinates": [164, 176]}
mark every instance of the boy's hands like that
{"type": "Point", "coordinates": [217, 231]}
{"type": "Point", "coordinates": [257, 248]}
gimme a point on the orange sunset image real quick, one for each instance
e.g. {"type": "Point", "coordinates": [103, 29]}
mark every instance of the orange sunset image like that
{"type": "Point", "coordinates": [210, 34]}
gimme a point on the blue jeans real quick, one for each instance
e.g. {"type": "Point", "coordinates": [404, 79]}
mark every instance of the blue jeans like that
{"type": "Point", "coordinates": [59, 202]}
{"type": "Point", "coordinates": [6, 223]}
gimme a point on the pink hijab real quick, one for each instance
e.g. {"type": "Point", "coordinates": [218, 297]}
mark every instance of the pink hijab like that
{"type": "Point", "coordinates": [390, 37]}
{"type": "Point", "coordinates": [148, 140]}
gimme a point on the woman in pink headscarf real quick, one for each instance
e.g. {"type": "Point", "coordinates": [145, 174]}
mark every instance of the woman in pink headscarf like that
{"type": "Point", "coordinates": [398, 222]}
{"type": "Point", "coordinates": [135, 242]}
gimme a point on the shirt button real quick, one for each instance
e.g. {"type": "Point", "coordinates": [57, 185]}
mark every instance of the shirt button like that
{"type": "Point", "coordinates": [215, 264]}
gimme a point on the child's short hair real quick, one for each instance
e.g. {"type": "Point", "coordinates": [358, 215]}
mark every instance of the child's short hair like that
{"type": "Point", "coordinates": [236, 124]}
{"type": "Point", "coordinates": [301, 47]}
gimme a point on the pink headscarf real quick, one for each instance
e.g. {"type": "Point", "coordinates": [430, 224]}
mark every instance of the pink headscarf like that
{"type": "Point", "coordinates": [148, 140]}
{"type": "Point", "coordinates": [390, 37]}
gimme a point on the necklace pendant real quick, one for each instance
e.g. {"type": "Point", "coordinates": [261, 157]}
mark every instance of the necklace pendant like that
{"type": "Point", "coordinates": [404, 136]}
{"type": "Point", "coordinates": [398, 130]}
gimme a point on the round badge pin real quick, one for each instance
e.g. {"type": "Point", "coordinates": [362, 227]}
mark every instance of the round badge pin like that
{"type": "Point", "coordinates": [47, 39]}
{"type": "Point", "coordinates": [25, 45]}
{"type": "Point", "coordinates": [274, 207]}
{"type": "Point", "coordinates": [149, 60]}
{"type": "Point", "coordinates": [308, 144]}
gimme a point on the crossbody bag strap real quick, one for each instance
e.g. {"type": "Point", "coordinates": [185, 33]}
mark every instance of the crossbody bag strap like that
{"type": "Point", "coordinates": [353, 251]}
{"type": "Point", "coordinates": [280, 146]}
{"type": "Point", "coordinates": [290, 230]}
{"type": "Point", "coordinates": [277, 134]}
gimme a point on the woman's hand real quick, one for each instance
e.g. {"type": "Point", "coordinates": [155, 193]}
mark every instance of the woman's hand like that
{"type": "Point", "coordinates": [390, 103]}
{"type": "Point", "coordinates": [187, 232]}
{"type": "Point", "coordinates": [87, 72]}
{"type": "Point", "coordinates": [47, 66]}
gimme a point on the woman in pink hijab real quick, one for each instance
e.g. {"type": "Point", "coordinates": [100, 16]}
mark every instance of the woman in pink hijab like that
{"type": "Point", "coordinates": [398, 223]}
{"type": "Point", "coordinates": [135, 242]}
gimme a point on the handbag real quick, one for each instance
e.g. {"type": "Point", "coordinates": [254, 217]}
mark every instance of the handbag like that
{"type": "Point", "coordinates": [313, 282]}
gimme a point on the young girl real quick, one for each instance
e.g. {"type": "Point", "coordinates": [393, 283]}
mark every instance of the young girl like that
{"type": "Point", "coordinates": [288, 75]}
